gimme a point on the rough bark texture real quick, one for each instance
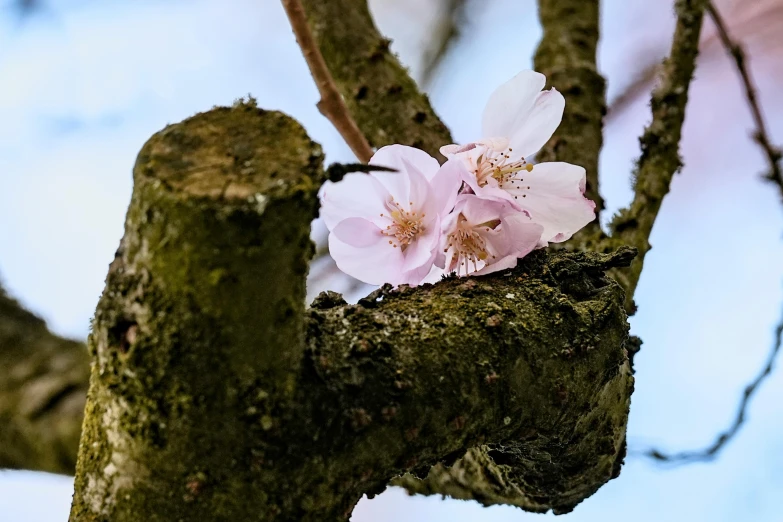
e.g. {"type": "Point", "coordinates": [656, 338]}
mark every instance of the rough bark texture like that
{"type": "Point", "coordinates": [201, 315]}
{"type": "Point", "coordinates": [660, 159]}
{"type": "Point", "coordinates": [215, 396]}
{"type": "Point", "coordinates": [43, 384]}
{"type": "Point", "coordinates": [383, 99]}
{"type": "Point", "coordinates": [567, 56]}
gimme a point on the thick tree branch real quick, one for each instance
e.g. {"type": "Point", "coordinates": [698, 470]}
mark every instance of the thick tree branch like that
{"type": "Point", "coordinates": [660, 158]}
{"type": "Point", "coordinates": [761, 135]}
{"type": "Point", "coordinates": [198, 337]}
{"type": "Point", "coordinates": [567, 56]}
{"type": "Point", "coordinates": [332, 104]}
{"type": "Point", "coordinates": [378, 91]}
{"type": "Point", "coordinates": [215, 396]}
{"type": "Point", "coordinates": [43, 384]}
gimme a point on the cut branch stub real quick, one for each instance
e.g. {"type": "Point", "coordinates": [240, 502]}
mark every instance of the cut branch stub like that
{"type": "Point", "coordinates": [215, 396]}
{"type": "Point", "coordinates": [201, 316]}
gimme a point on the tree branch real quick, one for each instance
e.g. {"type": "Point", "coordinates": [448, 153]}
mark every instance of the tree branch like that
{"type": "Point", "coordinates": [43, 384]}
{"type": "Point", "coordinates": [660, 158]}
{"type": "Point", "coordinates": [761, 136]}
{"type": "Point", "coordinates": [332, 104]}
{"type": "Point", "coordinates": [446, 34]}
{"type": "Point", "coordinates": [711, 452]}
{"type": "Point", "coordinates": [773, 156]}
{"type": "Point", "coordinates": [377, 90]}
{"type": "Point", "coordinates": [215, 396]}
{"type": "Point", "coordinates": [567, 56]}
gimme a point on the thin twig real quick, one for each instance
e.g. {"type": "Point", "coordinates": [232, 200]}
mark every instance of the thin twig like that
{"type": "Point", "coordinates": [632, 91]}
{"type": "Point", "coordinates": [711, 452]}
{"type": "Point", "coordinates": [660, 142]}
{"type": "Point", "coordinates": [761, 135]}
{"type": "Point", "coordinates": [446, 34]}
{"type": "Point", "coordinates": [332, 105]}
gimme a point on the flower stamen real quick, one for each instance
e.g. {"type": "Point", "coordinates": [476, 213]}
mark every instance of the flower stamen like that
{"type": "Point", "coordinates": [498, 165]}
{"type": "Point", "coordinates": [405, 227]}
{"type": "Point", "coordinates": [469, 247]}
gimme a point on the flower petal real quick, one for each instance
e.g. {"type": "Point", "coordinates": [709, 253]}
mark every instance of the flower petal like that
{"type": "Point", "coordinates": [392, 156]}
{"type": "Point", "coordinates": [375, 264]}
{"type": "Point", "coordinates": [418, 187]}
{"type": "Point", "coordinates": [491, 192]}
{"type": "Point", "coordinates": [450, 150]}
{"type": "Point", "coordinates": [481, 210]}
{"type": "Point", "coordinates": [503, 264]}
{"type": "Point", "coordinates": [553, 196]}
{"type": "Point", "coordinates": [522, 235]}
{"type": "Point", "coordinates": [421, 249]}
{"type": "Point", "coordinates": [357, 232]}
{"type": "Point", "coordinates": [539, 124]}
{"type": "Point", "coordinates": [421, 267]}
{"type": "Point", "coordinates": [510, 104]}
{"type": "Point", "coordinates": [445, 185]}
{"type": "Point", "coordinates": [496, 144]}
{"type": "Point", "coordinates": [356, 195]}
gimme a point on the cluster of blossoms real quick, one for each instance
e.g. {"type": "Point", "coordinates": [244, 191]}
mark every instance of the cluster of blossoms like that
{"type": "Point", "coordinates": [478, 213]}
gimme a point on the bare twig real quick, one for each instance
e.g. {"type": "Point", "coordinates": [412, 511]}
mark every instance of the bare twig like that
{"type": "Point", "coordinates": [446, 35]}
{"type": "Point", "coordinates": [660, 158]}
{"type": "Point", "coordinates": [337, 171]}
{"type": "Point", "coordinates": [711, 452]}
{"type": "Point", "coordinates": [761, 135]}
{"type": "Point", "coordinates": [638, 86]}
{"type": "Point", "coordinates": [332, 105]}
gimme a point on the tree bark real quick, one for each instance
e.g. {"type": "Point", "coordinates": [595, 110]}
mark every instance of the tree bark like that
{"type": "Point", "coordinates": [660, 143]}
{"type": "Point", "coordinates": [381, 96]}
{"type": "Point", "coordinates": [43, 384]}
{"type": "Point", "coordinates": [215, 396]}
{"type": "Point", "coordinates": [567, 56]}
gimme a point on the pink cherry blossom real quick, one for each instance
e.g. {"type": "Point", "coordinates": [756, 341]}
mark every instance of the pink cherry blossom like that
{"type": "Point", "coordinates": [518, 120]}
{"type": "Point", "coordinates": [385, 227]}
{"type": "Point", "coordinates": [483, 236]}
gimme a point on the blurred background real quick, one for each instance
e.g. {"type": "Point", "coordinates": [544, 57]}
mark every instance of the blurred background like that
{"type": "Point", "coordinates": [83, 83]}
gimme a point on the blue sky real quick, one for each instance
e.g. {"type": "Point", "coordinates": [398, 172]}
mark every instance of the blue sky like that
{"type": "Point", "coordinates": [83, 84]}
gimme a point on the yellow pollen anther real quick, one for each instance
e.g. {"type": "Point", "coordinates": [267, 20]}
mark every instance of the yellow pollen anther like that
{"type": "Point", "coordinates": [405, 227]}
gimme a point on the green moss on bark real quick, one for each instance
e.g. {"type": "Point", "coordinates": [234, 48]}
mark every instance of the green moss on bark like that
{"type": "Point", "coordinates": [202, 310]}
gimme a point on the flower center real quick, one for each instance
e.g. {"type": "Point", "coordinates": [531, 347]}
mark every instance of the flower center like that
{"type": "Point", "coordinates": [468, 244]}
{"type": "Point", "coordinates": [406, 225]}
{"type": "Point", "coordinates": [498, 165]}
